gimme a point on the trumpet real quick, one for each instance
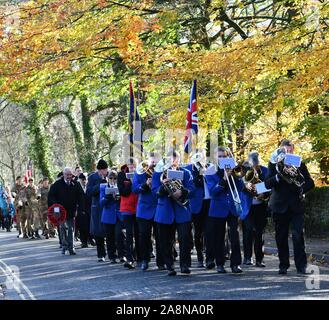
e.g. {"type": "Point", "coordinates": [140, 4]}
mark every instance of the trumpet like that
{"type": "Point", "coordinates": [198, 161]}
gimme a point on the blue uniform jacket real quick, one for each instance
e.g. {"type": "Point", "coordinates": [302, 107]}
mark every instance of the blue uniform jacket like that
{"type": "Point", "coordinates": [147, 201]}
{"type": "Point", "coordinates": [93, 191]}
{"type": "Point", "coordinates": [247, 197]}
{"type": "Point", "coordinates": [168, 211]}
{"type": "Point", "coordinates": [196, 197]}
{"type": "Point", "coordinates": [110, 207]}
{"type": "Point", "coordinates": [221, 203]}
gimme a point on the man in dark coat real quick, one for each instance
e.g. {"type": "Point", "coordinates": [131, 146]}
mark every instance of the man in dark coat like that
{"type": "Point", "coordinates": [83, 217]}
{"type": "Point", "coordinates": [97, 228]}
{"type": "Point", "coordinates": [287, 209]}
{"type": "Point", "coordinates": [66, 193]}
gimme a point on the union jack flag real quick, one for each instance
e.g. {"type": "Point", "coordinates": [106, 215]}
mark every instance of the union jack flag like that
{"type": "Point", "coordinates": [28, 172]}
{"type": "Point", "coordinates": [191, 119]}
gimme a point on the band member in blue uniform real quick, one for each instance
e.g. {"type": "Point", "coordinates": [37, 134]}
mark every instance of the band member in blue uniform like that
{"type": "Point", "coordinates": [146, 207]}
{"type": "Point", "coordinates": [170, 215]}
{"type": "Point", "coordinates": [110, 203]}
{"type": "Point", "coordinates": [223, 209]}
{"type": "Point", "coordinates": [97, 228]}
{"type": "Point", "coordinates": [255, 218]}
{"type": "Point", "coordinates": [287, 210]}
{"type": "Point", "coordinates": [199, 205]}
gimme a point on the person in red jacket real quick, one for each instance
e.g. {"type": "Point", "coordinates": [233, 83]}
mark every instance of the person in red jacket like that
{"type": "Point", "coordinates": [128, 205]}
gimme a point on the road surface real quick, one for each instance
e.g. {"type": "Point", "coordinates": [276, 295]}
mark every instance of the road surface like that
{"type": "Point", "coordinates": [41, 272]}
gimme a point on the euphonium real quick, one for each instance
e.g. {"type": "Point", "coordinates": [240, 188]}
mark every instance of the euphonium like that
{"type": "Point", "coordinates": [171, 186]}
{"type": "Point", "coordinates": [290, 174]}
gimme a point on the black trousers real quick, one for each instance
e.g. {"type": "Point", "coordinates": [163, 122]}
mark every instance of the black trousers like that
{"type": "Point", "coordinates": [131, 226]}
{"type": "Point", "coordinates": [167, 237]}
{"type": "Point", "coordinates": [215, 240]}
{"type": "Point", "coordinates": [8, 222]}
{"type": "Point", "coordinates": [100, 245]}
{"type": "Point", "coordinates": [199, 223]}
{"type": "Point", "coordinates": [114, 240]}
{"type": "Point", "coordinates": [145, 228]}
{"type": "Point", "coordinates": [282, 223]}
{"type": "Point", "coordinates": [253, 231]}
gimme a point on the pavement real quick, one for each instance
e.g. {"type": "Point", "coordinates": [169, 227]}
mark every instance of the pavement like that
{"type": "Point", "coordinates": [36, 270]}
{"type": "Point", "coordinates": [317, 249]}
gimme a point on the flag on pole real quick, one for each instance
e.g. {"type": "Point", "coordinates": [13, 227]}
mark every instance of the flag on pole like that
{"type": "Point", "coordinates": [29, 172]}
{"type": "Point", "coordinates": [191, 120]}
{"type": "Point", "coordinates": [133, 117]}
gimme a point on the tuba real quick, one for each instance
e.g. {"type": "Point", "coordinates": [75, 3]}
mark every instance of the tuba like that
{"type": "Point", "coordinates": [289, 174]}
{"type": "Point", "coordinates": [171, 186]}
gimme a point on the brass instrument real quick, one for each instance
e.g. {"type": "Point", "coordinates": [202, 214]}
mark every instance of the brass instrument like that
{"type": "Point", "coordinates": [252, 177]}
{"type": "Point", "coordinates": [198, 161]}
{"type": "Point", "coordinates": [144, 167]}
{"type": "Point", "coordinates": [238, 171]}
{"type": "Point", "coordinates": [290, 174]}
{"type": "Point", "coordinates": [171, 186]}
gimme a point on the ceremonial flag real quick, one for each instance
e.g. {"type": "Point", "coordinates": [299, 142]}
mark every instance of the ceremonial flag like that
{"type": "Point", "coordinates": [133, 116]}
{"type": "Point", "coordinates": [28, 173]}
{"type": "Point", "coordinates": [191, 120]}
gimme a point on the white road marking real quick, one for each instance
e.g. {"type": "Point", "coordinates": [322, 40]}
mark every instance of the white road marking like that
{"type": "Point", "coordinates": [7, 271]}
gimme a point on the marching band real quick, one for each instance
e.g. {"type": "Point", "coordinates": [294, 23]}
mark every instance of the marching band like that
{"type": "Point", "coordinates": [143, 206]}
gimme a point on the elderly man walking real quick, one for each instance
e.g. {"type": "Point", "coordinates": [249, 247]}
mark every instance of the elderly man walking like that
{"type": "Point", "coordinates": [66, 192]}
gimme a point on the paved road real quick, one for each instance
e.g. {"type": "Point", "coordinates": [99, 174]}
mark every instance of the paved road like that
{"type": "Point", "coordinates": [44, 273]}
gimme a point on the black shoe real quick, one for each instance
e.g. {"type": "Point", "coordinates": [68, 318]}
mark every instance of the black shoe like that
{"type": "Point", "coordinates": [113, 261]}
{"type": "Point", "coordinates": [185, 270]}
{"type": "Point", "coordinates": [302, 271]}
{"type": "Point", "coordinates": [171, 272]}
{"type": "Point", "coordinates": [92, 243]}
{"type": "Point", "coordinates": [25, 236]}
{"type": "Point", "coordinates": [161, 267]}
{"type": "Point", "coordinates": [46, 236]}
{"type": "Point", "coordinates": [72, 253]}
{"type": "Point", "coordinates": [260, 265]}
{"type": "Point", "coordinates": [18, 235]}
{"type": "Point", "coordinates": [84, 245]}
{"type": "Point", "coordinates": [102, 259]}
{"type": "Point", "coordinates": [63, 251]}
{"type": "Point", "coordinates": [221, 269]}
{"type": "Point", "coordinates": [236, 269]}
{"type": "Point", "coordinates": [144, 265]}
{"type": "Point", "coordinates": [210, 265]}
{"type": "Point", "coordinates": [37, 236]}
{"type": "Point", "coordinates": [129, 265]}
{"type": "Point", "coordinates": [200, 264]}
{"type": "Point", "coordinates": [247, 262]}
{"type": "Point", "coordinates": [122, 260]}
{"type": "Point", "coordinates": [33, 237]}
{"type": "Point", "coordinates": [283, 271]}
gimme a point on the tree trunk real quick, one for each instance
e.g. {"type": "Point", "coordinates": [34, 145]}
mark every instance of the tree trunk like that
{"type": "Point", "coordinates": [88, 134]}
{"type": "Point", "coordinates": [39, 147]}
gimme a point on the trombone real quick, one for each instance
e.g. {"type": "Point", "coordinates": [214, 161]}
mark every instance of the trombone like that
{"type": "Point", "coordinates": [238, 171]}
